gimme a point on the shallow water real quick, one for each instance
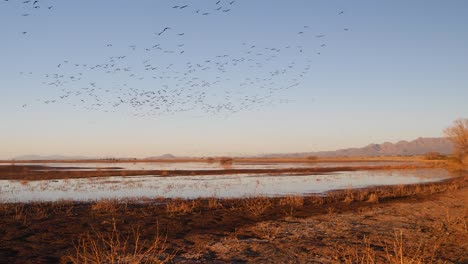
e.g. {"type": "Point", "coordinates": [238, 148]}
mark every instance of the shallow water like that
{"type": "Point", "coordinates": [211, 166]}
{"type": "Point", "coordinates": [222, 186]}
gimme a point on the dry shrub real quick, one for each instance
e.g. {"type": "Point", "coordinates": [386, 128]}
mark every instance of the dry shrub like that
{"type": "Point", "coordinates": [330, 210]}
{"type": "Point", "coordinates": [104, 206]}
{"type": "Point", "coordinates": [214, 203]}
{"type": "Point", "coordinates": [39, 211]}
{"type": "Point", "coordinates": [396, 250]}
{"type": "Point", "coordinates": [256, 205]}
{"type": "Point", "coordinates": [114, 247]}
{"type": "Point", "coordinates": [20, 213]}
{"type": "Point", "coordinates": [373, 198]}
{"type": "Point", "coordinates": [349, 198]}
{"type": "Point", "coordinates": [266, 231]}
{"type": "Point", "coordinates": [362, 195]}
{"type": "Point", "coordinates": [293, 201]}
{"type": "Point", "coordinates": [178, 206]}
{"type": "Point", "coordinates": [399, 250]}
{"type": "Point", "coordinates": [63, 207]}
{"type": "Point", "coordinates": [365, 255]}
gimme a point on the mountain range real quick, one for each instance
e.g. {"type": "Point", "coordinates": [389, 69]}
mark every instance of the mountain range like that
{"type": "Point", "coordinates": [419, 146]}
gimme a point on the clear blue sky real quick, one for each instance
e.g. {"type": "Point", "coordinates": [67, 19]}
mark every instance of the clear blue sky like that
{"type": "Point", "coordinates": [390, 70]}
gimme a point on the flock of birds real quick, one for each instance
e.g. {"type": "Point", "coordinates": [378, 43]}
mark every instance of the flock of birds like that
{"type": "Point", "coordinates": [251, 77]}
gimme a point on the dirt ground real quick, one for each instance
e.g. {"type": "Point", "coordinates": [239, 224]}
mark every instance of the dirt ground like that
{"type": "Point", "coordinates": [400, 224]}
{"type": "Point", "coordinates": [429, 230]}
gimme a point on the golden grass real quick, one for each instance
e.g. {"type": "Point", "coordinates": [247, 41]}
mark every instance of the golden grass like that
{"type": "Point", "coordinates": [256, 206]}
{"type": "Point", "coordinates": [179, 206]}
{"type": "Point", "coordinates": [267, 231]}
{"type": "Point", "coordinates": [293, 201]}
{"type": "Point", "coordinates": [105, 206]}
{"type": "Point", "coordinates": [373, 198]}
{"type": "Point", "coordinates": [214, 203]}
{"type": "Point", "coordinates": [115, 248]}
{"type": "Point", "coordinates": [396, 250]}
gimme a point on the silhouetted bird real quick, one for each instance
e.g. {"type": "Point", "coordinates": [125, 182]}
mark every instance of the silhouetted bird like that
{"type": "Point", "coordinates": [164, 30]}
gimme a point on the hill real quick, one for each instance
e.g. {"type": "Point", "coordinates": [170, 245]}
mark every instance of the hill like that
{"type": "Point", "coordinates": [419, 146]}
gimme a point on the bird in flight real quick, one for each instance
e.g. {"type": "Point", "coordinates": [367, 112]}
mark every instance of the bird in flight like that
{"type": "Point", "coordinates": [164, 30]}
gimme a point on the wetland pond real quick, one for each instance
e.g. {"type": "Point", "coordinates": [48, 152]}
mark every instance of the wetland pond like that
{"type": "Point", "coordinates": [89, 166]}
{"type": "Point", "coordinates": [222, 186]}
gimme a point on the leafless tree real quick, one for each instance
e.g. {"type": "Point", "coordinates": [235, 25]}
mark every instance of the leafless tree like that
{"type": "Point", "coordinates": [457, 133]}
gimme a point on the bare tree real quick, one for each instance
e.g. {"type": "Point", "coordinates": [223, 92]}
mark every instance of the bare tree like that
{"type": "Point", "coordinates": [457, 133]}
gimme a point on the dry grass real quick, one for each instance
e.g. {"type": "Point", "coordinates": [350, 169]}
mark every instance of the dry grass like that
{"type": "Point", "coordinates": [214, 203]}
{"type": "Point", "coordinates": [359, 255]}
{"type": "Point", "coordinates": [256, 206]}
{"type": "Point", "coordinates": [105, 206]}
{"type": "Point", "coordinates": [373, 198]}
{"type": "Point", "coordinates": [266, 231]}
{"type": "Point", "coordinates": [114, 247]}
{"type": "Point", "coordinates": [397, 250]}
{"type": "Point", "coordinates": [179, 206]}
{"type": "Point", "coordinates": [293, 201]}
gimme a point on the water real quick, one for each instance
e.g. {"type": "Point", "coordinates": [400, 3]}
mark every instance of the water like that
{"type": "Point", "coordinates": [222, 186]}
{"type": "Point", "coordinates": [211, 166]}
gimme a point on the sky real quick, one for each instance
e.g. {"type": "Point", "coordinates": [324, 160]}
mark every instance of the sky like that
{"type": "Point", "coordinates": [104, 79]}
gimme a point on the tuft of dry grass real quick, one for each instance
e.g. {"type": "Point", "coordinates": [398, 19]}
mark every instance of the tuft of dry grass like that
{"type": "Point", "coordinates": [104, 206]}
{"type": "Point", "coordinates": [214, 203]}
{"type": "Point", "coordinates": [293, 201]}
{"type": "Point", "coordinates": [396, 250]}
{"type": "Point", "coordinates": [179, 206]}
{"type": "Point", "coordinates": [266, 231]}
{"type": "Point", "coordinates": [373, 198]}
{"type": "Point", "coordinates": [115, 248]}
{"type": "Point", "coordinates": [256, 206]}
{"type": "Point", "coordinates": [364, 255]}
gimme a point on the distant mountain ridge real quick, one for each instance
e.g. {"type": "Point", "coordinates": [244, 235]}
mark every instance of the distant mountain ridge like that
{"type": "Point", "coordinates": [62, 157]}
{"type": "Point", "coordinates": [51, 157]}
{"type": "Point", "coordinates": [419, 146]}
{"type": "Point", "coordinates": [165, 156]}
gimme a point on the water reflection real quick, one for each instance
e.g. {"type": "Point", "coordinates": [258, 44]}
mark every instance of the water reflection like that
{"type": "Point", "coordinates": [213, 165]}
{"type": "Point", "coordinates": [223, 186]}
